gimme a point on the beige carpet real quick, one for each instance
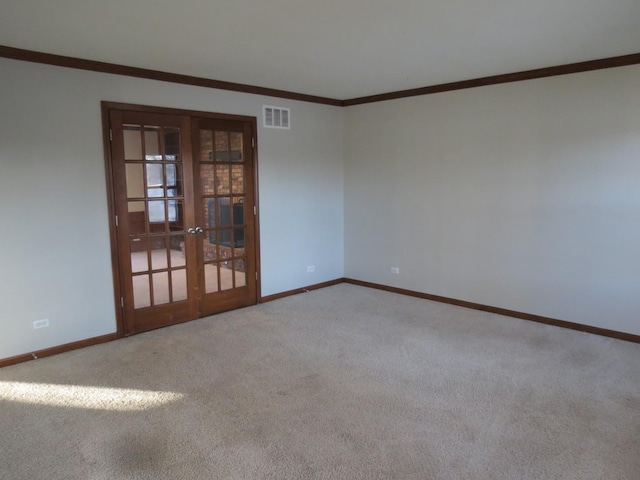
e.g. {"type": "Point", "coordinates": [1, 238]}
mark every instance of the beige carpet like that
{"type": "Point", "coordinates": [340, 383]}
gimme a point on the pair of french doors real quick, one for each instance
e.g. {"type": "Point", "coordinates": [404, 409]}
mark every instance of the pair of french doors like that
{"type": "Point", "coordinates": [183, 189]}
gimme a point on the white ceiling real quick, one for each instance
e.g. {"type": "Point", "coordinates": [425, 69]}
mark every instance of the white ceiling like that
{"type": "Point", "coordinates": [334, 48]}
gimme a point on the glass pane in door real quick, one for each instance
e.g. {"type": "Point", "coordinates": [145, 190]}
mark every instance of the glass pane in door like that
{"type": "Point", "coordinates": [239, 273]}
{"type": "Point", "coordinates": [222, 193]}
{"type": "Point", "coordinates": [159, 254]}
{"type": "Point", "coordinates": [152, 148]}
{"type": "Point", "coordinates": [141, 291]}
{"type": "Point", "coordinates": [237, 179]}
{"type": "Point", "coordinates": [226, 275]}
{"type": "Point", "coordinates": [132, 142]}
{"type": "Point", "coordinates": [154, 178]}
{"type": "Point", "coordinates": [139, 248]}
{"type": "Point", "coordinates": [177, 251]}
{"type": "Point", "coordinates": [222, 180]}
{"type": "Point", "coordinates": [206, 145]}
{"type": "Point", "coordinates": [221, 145]}
{"type": "Point", "coordinates": [179, 284]}
{"type": "Point", "coordinates": [211, 278]}
{"type": "Point", "coordinates": [235, 141]}
{"type": "Point", "coordinates": [135, 180]}
{"type": "Point", "coordinates": [172, 144]}
{"type": "Point", "coordinates": [136, 213]}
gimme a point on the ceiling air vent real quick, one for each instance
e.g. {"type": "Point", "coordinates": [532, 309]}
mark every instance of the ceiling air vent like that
{"type": "Point", "coordinates": [276, 117]}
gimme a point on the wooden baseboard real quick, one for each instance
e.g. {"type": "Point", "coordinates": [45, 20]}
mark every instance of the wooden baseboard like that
{"type": "Point", "coordinates": [276, 296]}
{"type": "Point", "coordinates": [47, 352]}
{"type": "Point", "coordinates": [502, 311]}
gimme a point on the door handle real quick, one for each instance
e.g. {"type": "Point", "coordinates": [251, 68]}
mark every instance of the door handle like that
{"type": "Point", "coordinates": [199, 230]}
{"type": "Point", "coordinates": [191, 231]}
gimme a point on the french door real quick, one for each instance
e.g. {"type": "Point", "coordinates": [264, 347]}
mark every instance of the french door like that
{"type": "Point", "coordinates": [185, 215]}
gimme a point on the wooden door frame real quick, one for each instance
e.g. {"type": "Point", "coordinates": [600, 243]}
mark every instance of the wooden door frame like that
{"type": "Point", "coordinates": [111, 197]}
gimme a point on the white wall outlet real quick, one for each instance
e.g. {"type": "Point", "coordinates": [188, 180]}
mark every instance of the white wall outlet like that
{"type": "Point", "coordinates": [395, 270]}
{"type": "Point", "coordinates": [311, 268]}
{"type": "Point", "coordinates": [41, 323]}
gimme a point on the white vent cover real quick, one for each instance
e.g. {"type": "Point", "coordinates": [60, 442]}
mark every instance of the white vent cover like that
{"type": "Point", "coordinates": [276, 117]}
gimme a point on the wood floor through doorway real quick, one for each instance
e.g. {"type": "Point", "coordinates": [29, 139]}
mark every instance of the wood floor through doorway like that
{"type": "Point", "coordinates": [160, 282]}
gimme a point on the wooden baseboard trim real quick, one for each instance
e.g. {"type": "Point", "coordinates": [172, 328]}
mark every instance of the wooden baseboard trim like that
{"type": "Point", "coordinates": [276, 296]}
{"type": "Point", "coordinates": [502, 311]}
{"type": "Point", "coordinates": [47, 352]}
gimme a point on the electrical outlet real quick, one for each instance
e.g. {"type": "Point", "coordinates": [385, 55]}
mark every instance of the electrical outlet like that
{"type": "Point", "coordinates": [311, 269]}
{"type": "Point", "coordinates": [41, 323]}
{"type": "Point", "coordinates": [395, 270]}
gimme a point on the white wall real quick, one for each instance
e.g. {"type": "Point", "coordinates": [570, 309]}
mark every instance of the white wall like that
{"type": "Point", "coordinates": [524, 196]}
{"type": "Point", "coordinates": [54, 242]}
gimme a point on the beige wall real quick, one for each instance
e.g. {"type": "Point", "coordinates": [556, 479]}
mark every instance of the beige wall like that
{"type": "Point", "coordinates": [524, 196]}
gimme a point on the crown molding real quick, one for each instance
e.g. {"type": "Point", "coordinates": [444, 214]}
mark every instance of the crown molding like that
{"type": "Point", "coordinates": [115, 69]}
{"type": "Point", "coordinates": [103, 67]}
{"type": "Point", "coordinates": [601, 64]}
